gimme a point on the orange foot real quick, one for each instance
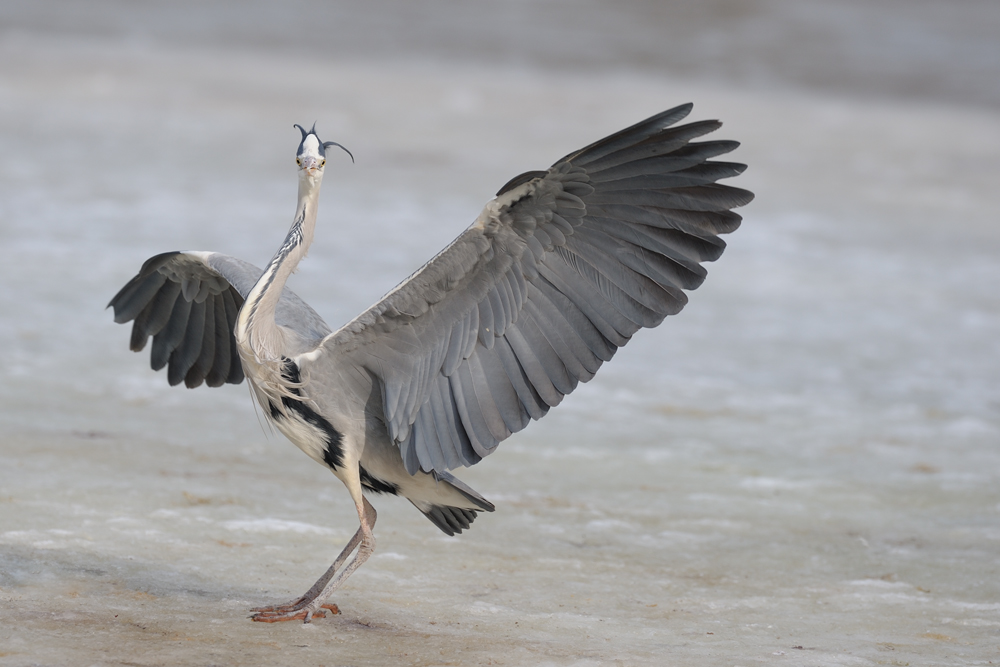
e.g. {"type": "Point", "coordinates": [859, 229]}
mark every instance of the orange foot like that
{"type": "Point", "coordinates": [290, 613]}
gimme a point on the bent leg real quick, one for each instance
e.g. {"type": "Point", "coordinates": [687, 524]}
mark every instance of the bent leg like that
{"type": "Point", "coordinates": [311, 604]}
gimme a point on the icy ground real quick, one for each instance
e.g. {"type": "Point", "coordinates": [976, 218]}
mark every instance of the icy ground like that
{"type": "Point", "coordinates": [801, 468]}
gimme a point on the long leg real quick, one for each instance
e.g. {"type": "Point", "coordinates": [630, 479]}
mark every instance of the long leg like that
{"type": "Point", "coordinates": [302, 601]}
{"type": "Point", "coordinates": [311, 604]}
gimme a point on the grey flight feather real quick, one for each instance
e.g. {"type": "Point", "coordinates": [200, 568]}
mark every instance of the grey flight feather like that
{"type": "Point", "coordinates": [559, 271]}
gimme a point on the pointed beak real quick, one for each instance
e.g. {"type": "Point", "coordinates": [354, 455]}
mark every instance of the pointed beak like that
{"type": "Point", "coordinates": [309, 163]}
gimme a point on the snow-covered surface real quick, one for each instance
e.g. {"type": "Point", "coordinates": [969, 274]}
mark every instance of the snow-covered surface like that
{"type": "Point", "coordinates": [801, 468]}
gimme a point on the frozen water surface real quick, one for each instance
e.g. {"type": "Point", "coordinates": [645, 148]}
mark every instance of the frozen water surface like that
{"type": "Point", "coordinates": [801, 468]}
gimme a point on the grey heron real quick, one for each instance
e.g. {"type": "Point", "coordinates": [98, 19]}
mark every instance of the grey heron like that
{"type": "Point", "coordinates": [559, 270]}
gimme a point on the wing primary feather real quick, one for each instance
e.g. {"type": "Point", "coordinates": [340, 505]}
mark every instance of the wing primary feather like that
{"type": "Point", "coordinates": [515, 416]}
{"type": "Point", "coordinates": [634, 294]}
{"type": "Point", "coordinates": [711, 197]}
{"type": "Point", "coordinates": [429, 450]}
{"type": "Point", "coordinates": [550, 298]}
{"type": "Point", "coordinates": [219, 371]}
{"type": "Point", "coordinates": [617, 236]}
{"type": "Point", "coordinates": [678, 245]}
{"type": "Point", "coordinates": [526, 393]}
{"type": "Point", "coordinates": [451, 454]}
{"type": "Point", "coordinates": [128, 304]}
{"type": "Point", "coordinates": [187, 352]}
{"type": "Point", "coordinates": [629, 135]}
{"type": "Point", "coordinates": [605, 275]}
{"type": "Point", "coordinates": [137, 340]}
{"type": "Point", "coordinates": [122, 295]}
{"type": "Point", "coordinates": [662, 269]}
{"type": "Point", "coordinates": [695, 176]}
{"type": "Point", "coordinates": [410, 389]}
{"type": "Point", "coordinates": [449, 429]}
{"type": "Point", "coordinates": [408, 451]}
{"type": "Point", "coordinates": [440, 425]}
{"type": "Point", "coordinates": [615, 328]}
{"type": "Point", "coordinates": [563, 339]}
{"type": "Point", "coordinates": [534, 369]}
{"type": "Point", "coordinates": [680, 159]}
{"type": "Point", "coordinates": [486, 399]}
{"type": "Point", "coordinates": [476, 428]}
{"type": "Point", "coordinates": [662, 143]}
{"type": "Point", "coordinates": [653, 264]}
{"type": "Point", "coordinates": [202, 365]}
{"type": "Point", "coordinates": [163, 305]}
{"type": "Point", "coordinates": [551, 361]}
{"type": "Point", "coordinates": [165, 342]}
{"type": "Point", "coordinates": [703, 224]}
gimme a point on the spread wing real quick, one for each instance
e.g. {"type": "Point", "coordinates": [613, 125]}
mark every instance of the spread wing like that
{"type": "Point", "coordinates": [188, 302]}
{"type": "Point", "coordinates": [556, 274]}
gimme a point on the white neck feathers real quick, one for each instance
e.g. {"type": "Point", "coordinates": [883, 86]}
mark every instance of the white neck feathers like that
{"type": "Point", "coordinates": [261, 342]}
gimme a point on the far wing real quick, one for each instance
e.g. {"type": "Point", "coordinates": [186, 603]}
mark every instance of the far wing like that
{"type": "Point", "coordinates": [556, 274]}
{"type": "Point", "coordinates": [188, 302]}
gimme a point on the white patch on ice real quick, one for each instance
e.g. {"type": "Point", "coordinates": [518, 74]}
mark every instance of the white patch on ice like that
{"type": "Point", "coordinates": [973, 622]}
{"type": "Point", "coordinates": [658, 455]}
{"type": "Point", "coordinates": [879, 583]}
{"type": "Point", "coordinates": [391, 555]}
{"type": "Point", "coordinates": [481, 608]}
{"type": "Point", "coordinates": [609, 524]}
{"type": "Point", "coordinates": [976, 606]}
{"type": "Point", "coordinates": [772, 483]}
{"type": "Point", "coordinates": [687, 538]}
{"type": "Point", "coordinates": [125, 519]}
{"type": "Point", "coordinates": [18, 535]}
{"type": "Point", "coordinates": [969, 426]}
{"type": "Point", "coordinates": [275, 526]}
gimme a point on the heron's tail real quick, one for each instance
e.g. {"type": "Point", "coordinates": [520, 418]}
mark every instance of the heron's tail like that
{"type": "Point", "coordinates": [452, 519]}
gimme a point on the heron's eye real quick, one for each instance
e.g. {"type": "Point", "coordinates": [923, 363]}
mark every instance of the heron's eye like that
{"type": "Point", "coordinates": [298, 161]}
{"type": "Point", "coordinates": [322, 162]}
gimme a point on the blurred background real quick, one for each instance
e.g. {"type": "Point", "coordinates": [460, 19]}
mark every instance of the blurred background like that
{"type": "Point", "coordinates": [922, 50]}
{"type": "Point", "coordinates": [803, 464]}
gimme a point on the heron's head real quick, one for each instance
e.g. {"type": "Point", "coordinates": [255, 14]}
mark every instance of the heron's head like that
{"type": "Point", "coordinates": [311, 156]}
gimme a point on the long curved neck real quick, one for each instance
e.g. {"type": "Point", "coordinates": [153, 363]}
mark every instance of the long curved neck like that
{"type": "Point", "coordinates": [256, 328]}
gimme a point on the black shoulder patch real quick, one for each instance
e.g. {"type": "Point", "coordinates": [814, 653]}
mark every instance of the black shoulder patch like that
{"type": "Point", "coordinates": [334, 455]}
